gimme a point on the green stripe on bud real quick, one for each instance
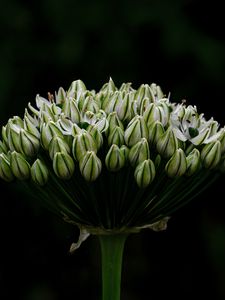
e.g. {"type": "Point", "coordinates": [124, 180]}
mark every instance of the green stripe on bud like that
{"type": "Point", "coordinates": [113, 121]}
{"type": "Point", "coordinates": [193, 162]}
{"type": "Point", "coordinates": [29, 126]}
{"type": "Point", "coordinates": [177, 165]}
{"type": "Point", "coordinates": [90, 166]}
{"type": "Point", "coordinates": [167, 143]}
{"type": "Point", "coordinates": [211, 154]}
{"type": "Point", "coordinates": [77, 87]}
{"type": "Point", "coordinates": [39, 172]}
{"type": "Point", "coordinates": [63, 165]}
{"type": "Point", "coordinates": [125, 151]}
{"type": "Point", "coordinates": [139, 152]}
{"type": "Point", "coordinates": [144, 173]}
{"type": "Point", "coordinates": [5, 170]}
{"type": "Point", "coordinates": [58, 144]}
{"type": "Point", "coordinates": [135, 130]}
{"type": "Point", "coordinates": [13, 136]}
{"type": "Point", "coordinates": [115, 159]}
{"type": "Point", "coordinates": [29, 143]}
{"type": "Point", "coordinates": [116, 136]}
{"type": "Point", "coordinates": [82, 143]}
{"type": "Point", "coordinates": [19, 166]}
{"type": "Point", "coordinates": [3, 147]}
{"type": "Point", "coordinates": [48, 131]}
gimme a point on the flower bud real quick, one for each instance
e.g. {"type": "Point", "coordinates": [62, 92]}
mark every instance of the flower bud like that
{"type": "Point", "coordinates": [123, 107]}
{"type": "Point", "coordinates": [125, 151]}
{"type": "Point", "coordinates": [193, 162]}
{"type": "Point", "coordinates": [58, 144]}
{"type": "Point", "coordinates": [39, 172]}
{"type": "Point", "coordinates": [155, 131]}
{"type": "Point", "coordinates": [135, 130]}
{"type": "Point", "coordinates": [77, 87]}
{"type": "Point", "coordinates": [71, 111]}
{"type": "Point", "coordinates": [177, 165]}
{"type": "Point", "coordinates": [115, 159]}
{"type": "Point", "coordinates": [144, 173]}
{"type": "Point", "coordinates": [60, 97]}
{"type": "Point", "coordinates": [222, 140]}
{"type": "Point", "coordinates": [89, 104]}
{"type": "Point", "coordinates": [167, 143]}
{"type": "Point", "coordinates": [156, 90]}
{"type": "Point", "coordinates": [48, 131]}
{"type": "Point", "coordinates": [90, 166]}
{"type": "Point", "coordinates": [3, 147]}
{"type": "Point", "coordinates": [63, 165]}
{"type": "Point", "coordinates": [144, 91]}
{"type": "Point", "coordinates": [5, 170]}
{"type": "Point", "coordinates": [19, 166]}
{"type": "Point", "coordinates": [82, 143]}
{"type": "Point", "coordinates": [211, 154]}
{"type": "Point", "coordinates": [96, 134]}
{"type": "Point", "coordinates": [139, 152]}
{"type": "Point", "coordinates": [156, 113]}
{"type": "Point", "coordinates": [13, 136]}
{"type": "Point", "coordinates": [29, 126]}
{"type": "Point", "coordinates": [116, 136]}
{"type": "Point", "coordinates": [29, 143]}
{"type": "Point", "coordinates": [113, 121]}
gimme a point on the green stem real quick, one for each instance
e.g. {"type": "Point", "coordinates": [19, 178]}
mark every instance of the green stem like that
{"type": "Point", "coordinates": [112, 246]}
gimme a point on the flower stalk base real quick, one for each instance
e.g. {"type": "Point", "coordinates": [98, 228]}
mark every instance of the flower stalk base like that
{"type": "Point", "coordinates": [112, 255]}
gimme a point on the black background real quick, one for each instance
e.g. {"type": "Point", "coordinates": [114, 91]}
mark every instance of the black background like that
{"type": "Point", "coordinates": [178, 44]}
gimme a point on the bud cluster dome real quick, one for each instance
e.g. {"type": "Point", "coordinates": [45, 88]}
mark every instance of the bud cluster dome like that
{"type": "Point", "coordinates": [119, 159]}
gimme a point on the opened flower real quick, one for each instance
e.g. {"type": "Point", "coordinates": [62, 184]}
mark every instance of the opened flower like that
{"type": "Point", "coordinates": [112, 162]}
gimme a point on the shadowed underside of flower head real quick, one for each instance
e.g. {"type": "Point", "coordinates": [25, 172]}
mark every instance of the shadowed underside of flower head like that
{"type": "Point", "coordinates": [113, 160]}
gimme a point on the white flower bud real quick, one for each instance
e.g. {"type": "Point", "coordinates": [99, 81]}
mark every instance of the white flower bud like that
{"type": "Point", "coordinates": [29, 143]}
{"type": "Point", "coordinates": [71, 111]}
{"type": "Point", "coordinates": [155, 131]}
{"type": "Point", "coordinates": [19, 166]}
{"type": "Point", "coordinates": [31, 127]}
{"type": "Point", "coordinates": [58, 144]}
{"type": "Point", "coordinates": [144, 173]}
{"type": "Point", "coordinates": [82, 143]}
{"type": "Point", "coordinates": [211, 155]}
{"type": "Point", "coordinates": [135, 131]}
{"type": "Point", "coordinates": [116, 136]}
{"type": "Point", "coordinates": [115, 159]}
{"type": "Point", "coordinates": [193, 162]}
{"type": "Point", "coordinates": [63, 165]}
{"type": "Point", "coordinates": [167, 143]}
{"type": "Point", "coordinates": [177, 165]}
{"type": "Point", "coordinates": [139, 152]}
{"type": "Point", "coordinates": [48, 131]}
{"type": "Point", "coordinates": [77, 87]}
{"type": "Point", "coordinates": [5, 170]}
{"type": "Point", "coordinates": [96, 134]}
{"type": "Point", "coordinates": [39, 172]}
{"type": "Point", "coordinates": [90, 166]}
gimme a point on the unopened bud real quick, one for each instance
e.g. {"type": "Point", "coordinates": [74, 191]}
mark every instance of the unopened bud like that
{"type": "Point", "coordinates": [113, 121]}
{"type": "Point", "coordinates": [20, 167]}
{"type": "Point", "coordinates": [125, 151]}
{"type": "Point", "coordinates": [116, 136]}
{"type": "Point", "coordinates": [71, 111]}
{"type": "Point", "coordinates": [177, 165]}
{"type": "Point", "coordinates": [139, 152]}
{"type": "Point", "coordinates": [167, 143]}
{"type": "Point", "coordinates": [29, 143]}
{"type": "Point", "coordinates": [58, 144]}
{"type": "Point", "coordinates": [193, 162]}
{"type": "Point", "coordinates": [3, 147]}
{"type": "Point", "coordinates": [29, 126]}
{"type": "Point", "coordinates": [5, 170]}
{"type": "Point", "coordinates": [96, 134]}
{"type": "Point", "coordinates": [63, 165]}
{"type": "Point", "coordinates": [144, 173]}
{"type": "Point", "coordinates": [211, 154]}
{"type": "Point", "coordinates": [48, 131]}
{"type": "Point", "coordinates": [156, 113]}
{"type": "Point", "coordinates": [90, 166]}
{"type": "Point", "coordinates": [39, 172]}
{"type": "Point", "coordinates": [155, 131]}
{"type": "Point", "coordinates": [82, 143]}
{"type": "Point", "coordinates": [115, 159]}
{"type": "Point", "coordinates": [135, 131]}
{"type": "Point", "coordinates": [77, 87]}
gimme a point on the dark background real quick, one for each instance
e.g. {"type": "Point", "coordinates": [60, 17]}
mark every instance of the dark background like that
{"type": "Point", "coordinates": [178, 44]}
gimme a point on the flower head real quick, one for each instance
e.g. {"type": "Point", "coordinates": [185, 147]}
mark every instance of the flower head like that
{"type": "Point", "coordinates": [119, 159]}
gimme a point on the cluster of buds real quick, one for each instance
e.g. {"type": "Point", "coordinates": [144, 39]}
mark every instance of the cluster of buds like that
{"type": "Point", "coordinates": [81, 136]}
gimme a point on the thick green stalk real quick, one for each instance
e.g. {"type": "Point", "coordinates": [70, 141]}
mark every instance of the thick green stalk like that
{"type": "Point", "coordinates": [112, 246]}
